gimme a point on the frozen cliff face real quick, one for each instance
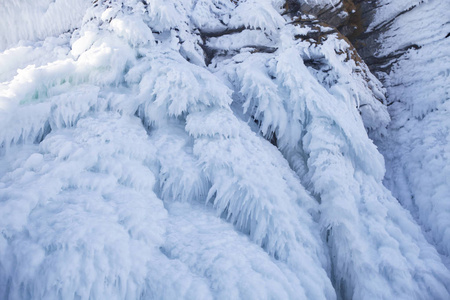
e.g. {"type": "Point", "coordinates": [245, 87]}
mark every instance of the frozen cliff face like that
{"type": "Point", "coordinates": [413, 61]}
{"type": "Point", "coordinates": [204, 149]}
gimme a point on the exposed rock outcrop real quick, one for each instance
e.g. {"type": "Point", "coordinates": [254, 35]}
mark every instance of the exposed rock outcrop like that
{"type": "Point", "coordinates": [342, 14]}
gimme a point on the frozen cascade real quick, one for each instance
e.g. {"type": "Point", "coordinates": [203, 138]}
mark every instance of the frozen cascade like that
{"type": "Point", "coordinates": [196, 149]}
{"type": "Point", "coordinates": [417, 78]}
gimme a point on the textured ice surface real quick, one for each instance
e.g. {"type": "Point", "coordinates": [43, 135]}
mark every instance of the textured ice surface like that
{"type": "Point", "coordinates": [132, 167]}
{"type": "Point", "coordinates": [35, 20]}
{"type": "Point", "coordinates": [417, 144]}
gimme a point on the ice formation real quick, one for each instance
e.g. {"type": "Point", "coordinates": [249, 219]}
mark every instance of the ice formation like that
{"type": "Point", "coordinates": [196, 149]}
{"type": "Point", "coordinates": [418, 83]}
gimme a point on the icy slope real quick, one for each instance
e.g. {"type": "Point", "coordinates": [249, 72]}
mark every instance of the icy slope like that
{"type": "Point", "coordinates": [414, 64]}
{"type": "Point", "coordinates": [136, 161]}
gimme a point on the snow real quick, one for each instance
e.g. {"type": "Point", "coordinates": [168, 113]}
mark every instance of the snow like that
{"type": "Point", "coordinates": [256, 14]}
{"type": "Point", "coordinates": [387, 11]}
{"type": "Point", "coordinates": [416, 146]}
{"type": "Point", "coordinates": [36, 20]}
{"type": "Point", "coordinates": [323, 137]}
{"type": "Point", "coordinates": [157, 174]}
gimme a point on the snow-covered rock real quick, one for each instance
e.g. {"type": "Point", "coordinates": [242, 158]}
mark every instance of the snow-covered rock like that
{"type": "Point", "coordinates": [413, 61]}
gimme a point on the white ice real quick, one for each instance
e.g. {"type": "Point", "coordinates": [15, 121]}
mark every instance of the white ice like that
{"type": "Point", "coordinates": [130, 168]}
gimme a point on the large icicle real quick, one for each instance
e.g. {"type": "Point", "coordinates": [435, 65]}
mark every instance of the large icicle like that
{"type": "Point", "coordinates": [272, 209]}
